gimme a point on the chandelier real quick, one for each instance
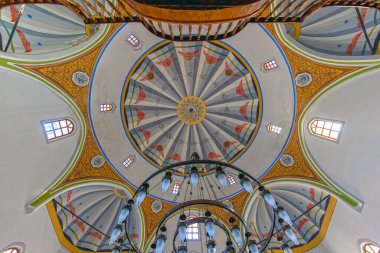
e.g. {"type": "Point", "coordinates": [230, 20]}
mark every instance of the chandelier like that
{"type": "Point", "coordinates": [203, 182]}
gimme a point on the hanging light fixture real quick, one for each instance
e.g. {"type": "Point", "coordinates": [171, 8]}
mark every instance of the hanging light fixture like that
{"type": "Point", "coordinates": [197, 176]}
{"type": "Point", "coordinates": [283, 215]}
{"type": "Point", "coordinates": [194, 176]}
{"type": "Point", "coordinates": [142, 194]}
{"type": "Point", "coordinates": [211, 246]}
{"type": "Point", "coordinates": [166, 181]}
{"type": "Point", "coordinates": [124, 214]}
{"type": "Point", "coordinates": [244, 181]}
{"type": "Point", "coordinates": [182, 249]}
{"type": "Point", "coordinates": [182, 227]}
{"type": "Point", "coordinates": [116, 249]}
{"type": "Point", "coordinates": [221, 176]}
{"type": "Point", "coordinates": [209, 224]}
{"type": "Point", "coordinates": [285, 247]}
{"type": "Point", "coordinates": [268, 197]}
{"type": "Point", "coordinates": [252, 246]}
{"type": "Point", "coordinates": [288, 231]}
{"type": "Point", "coordinates": [235, 231]}
{"type": "Point", "coordinates": [160, 243]}
{"type": "Point", "coordinates": [116, 232]}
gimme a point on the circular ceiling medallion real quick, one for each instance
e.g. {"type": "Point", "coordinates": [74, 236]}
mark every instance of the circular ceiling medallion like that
{"type": "Point", "coordinates": [199, 97]}
{"type": "Point", "coordinates": [191, 110]}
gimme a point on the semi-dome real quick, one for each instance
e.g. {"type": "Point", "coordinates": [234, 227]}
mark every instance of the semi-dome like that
{"type": "Point", "coordinates": [338, 31]}
{"type": "Point", "coordinates": [43, 28]}
{"type": "Point", "coordinates": [296, 200]}
{"type": "Point", "coordinates": [97, 206]}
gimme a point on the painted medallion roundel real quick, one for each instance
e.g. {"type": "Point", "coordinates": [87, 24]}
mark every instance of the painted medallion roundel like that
{"type": "Point", "coordinates": [182, 98]}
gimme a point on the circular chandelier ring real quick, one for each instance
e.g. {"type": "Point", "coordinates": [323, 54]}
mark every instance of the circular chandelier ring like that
{"type": "Point", "coordinates": [172, 167]}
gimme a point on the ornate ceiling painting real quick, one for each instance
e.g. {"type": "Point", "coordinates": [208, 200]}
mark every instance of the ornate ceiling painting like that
{"type": "Point", "coordinates": [298, 199]}
{"type": "Point", "coordinates": [342, 36]}
{"type": "Point", "coordinates": [43, 28]}
{"type": "Point", "coordinates": [191, 97]}
{"type": "Point", "coordinates": [174, 80]}
{"type": "Point", "coordinates": [87, 215]}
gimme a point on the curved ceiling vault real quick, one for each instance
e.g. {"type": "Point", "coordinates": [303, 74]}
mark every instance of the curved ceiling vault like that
{"type": "Point", "coordinates": [338, 31]}
{"type": "Point", "coordinates": [43, 28]}
{"type": "Point", "coordinates": [176, 98]}
{"type": "Point", "coordinates": [74, 211]}
{"type": "Point", "coordinates": [296, 199]}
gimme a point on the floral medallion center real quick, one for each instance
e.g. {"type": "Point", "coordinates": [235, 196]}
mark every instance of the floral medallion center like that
{"type": "Point", "coordinates": [191, 110]}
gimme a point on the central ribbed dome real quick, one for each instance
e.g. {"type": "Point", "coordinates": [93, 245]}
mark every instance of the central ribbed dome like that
{"type": "Point", "coordinates": [191, 97]}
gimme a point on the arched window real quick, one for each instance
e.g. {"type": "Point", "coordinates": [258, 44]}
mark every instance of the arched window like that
{"type": "Point", "coordinates": [327, 129]}
{"type": "Point", "coordinates": [176, 187]}
{"type": "Point", "coordinates": [270, 65]}
{"type": "Point", "coordinates": [231, 179]}
{"type": "Point", "coordinates": [12, 250]}
{"type": "Point", "coordinates": [274, 129]}
{"type": "Point", "coordinates": [128, 161]}
{"type": "Point", "coordinates": [368, 247]}
{"type": "Point", "coordinates": [58, 128]}
{"type": "Point", "coordinates": [192, 231]}
{"type": "Point", "coordinates": [106, 107]}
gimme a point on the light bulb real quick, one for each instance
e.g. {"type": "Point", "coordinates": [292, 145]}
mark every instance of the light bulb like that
{"type": "Point", "coordinates": [194, 176]}
{"type": "Point", "coordinates": [286, 248]}
{"type": "Point", "coordinates": [283, 215]}
{"type": "Point", "coordinates": [182, 231]}
{"type": "Point", "coordinates": [210, 228]}
{"type": "Point", "coordinates": [235, 230]}
{"type": "Point", "coordinates": [116, 232]}
{"type": "Point", "coordinates": [124, 214]}
{"type": "Point", "coordinates": [211, 247]}
{"type": "Point", "coordinates": [160, 244]}
{"type": "Point", "coordinates": [269, 199]}
{"type": "Point", "coordinates": [288, 231]}
{"type": "Point", "coordinates": [166, 181]}
{"type": "Point", "coordinates": [252, 246]}
{"type": "Point", "coordinates": [247, 185]}
{"type": "Point", "coordinates": [182, 249]}
{"type": "Point", "coordinates": [141, 196]}
{"type": "Point", "coordinates": [221, 176]}
{"type": "Point", "coordinates": [116, 250]}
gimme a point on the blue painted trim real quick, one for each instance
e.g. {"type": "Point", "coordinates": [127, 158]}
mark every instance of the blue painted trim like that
{"type": "Point", "coordinates": [122, 109]}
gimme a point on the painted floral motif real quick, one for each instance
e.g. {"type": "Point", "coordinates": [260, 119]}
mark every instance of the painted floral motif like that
{"type": "Point", "coordinates": [191, 97]}
{"type": "Point", "coordinates": [188, 56]}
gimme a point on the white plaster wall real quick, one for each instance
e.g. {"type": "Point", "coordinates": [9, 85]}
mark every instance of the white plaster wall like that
{"type": "Point", "coordinates": [28, 165]}
{"type": "Point", "coordinates": [353, 162]}
{"type": "Point", "coordinates": [119, 57]}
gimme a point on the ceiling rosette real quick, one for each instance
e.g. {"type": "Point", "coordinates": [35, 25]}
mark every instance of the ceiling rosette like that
{"type": "Point", "coordinates": [191, 97]}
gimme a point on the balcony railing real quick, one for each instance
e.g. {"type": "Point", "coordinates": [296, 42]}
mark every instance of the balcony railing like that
{"type": "Point", "coordinates": [193, 20]}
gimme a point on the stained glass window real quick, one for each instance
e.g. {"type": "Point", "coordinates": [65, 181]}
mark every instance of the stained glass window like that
{"type": "Point", "coordinates": [327, 129]}
{"type": "Point", "coordinates": [55, 129]}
